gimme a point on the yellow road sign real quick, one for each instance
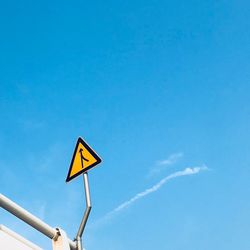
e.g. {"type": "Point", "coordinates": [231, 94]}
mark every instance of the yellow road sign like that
{"type": "Point", "coordinates": [84, 158]}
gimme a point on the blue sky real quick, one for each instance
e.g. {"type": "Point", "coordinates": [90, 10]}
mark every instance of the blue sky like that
{"type": "Point", "coordinates": [156, 88]}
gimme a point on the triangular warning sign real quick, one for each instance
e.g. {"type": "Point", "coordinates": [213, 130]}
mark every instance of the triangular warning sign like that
{"type": "Point", "coordinates": [84, 158]}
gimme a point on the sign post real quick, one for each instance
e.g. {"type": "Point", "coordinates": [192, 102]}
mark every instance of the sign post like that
{"type": "Point", "coordinates": [84, 159]}
{"type": "Point", "coordinates": [88, 207]}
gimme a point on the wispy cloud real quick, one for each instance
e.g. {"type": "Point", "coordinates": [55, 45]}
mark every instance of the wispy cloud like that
{"type": "Point", "coordinates": [154, 188]}
{"type": "Point", "coordinates": [162, 164]}
{"type": "Point", "coordinates": [173, 158]}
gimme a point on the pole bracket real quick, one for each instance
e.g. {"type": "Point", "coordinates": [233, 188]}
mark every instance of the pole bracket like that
{"type": "Point", "coordinates": [61, 242]}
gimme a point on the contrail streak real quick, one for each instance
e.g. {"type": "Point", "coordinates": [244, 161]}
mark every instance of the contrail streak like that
{"type": "Point", "coordinates": [187, 171]}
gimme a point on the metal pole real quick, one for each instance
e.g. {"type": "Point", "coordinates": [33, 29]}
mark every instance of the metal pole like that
{"type": "Point", "coordinates": [32, 220]}
{"type": "Point", "coordinates": [88, 207]}
{"type": "Point", "coordinates": [79, 243]}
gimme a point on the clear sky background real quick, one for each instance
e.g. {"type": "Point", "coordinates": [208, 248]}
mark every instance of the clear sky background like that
{"type": "Point", "coordinates": [155, 87]}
